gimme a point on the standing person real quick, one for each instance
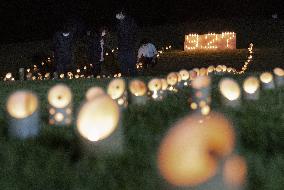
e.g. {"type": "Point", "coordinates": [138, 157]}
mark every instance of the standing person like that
{"type": "Point", "coordinates": [97, 50]}
{"type": "Point", "coordinates": [126, 31]}
{"type": "Point", "coordinates": [62, 42]}
{"type": "Point", "coordinates": [147, 53]}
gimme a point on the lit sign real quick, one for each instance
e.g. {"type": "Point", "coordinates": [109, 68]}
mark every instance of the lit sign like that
{"type": "Point", "coordinates": [211, 41]}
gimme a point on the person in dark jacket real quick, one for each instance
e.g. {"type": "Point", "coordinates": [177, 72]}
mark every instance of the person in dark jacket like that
{"type": "Point", "coordinates": [97, 50]}
{"type": "Point", "coordinates": [62, 42]}
{"type": "Point", "coordinates": [126, 33]}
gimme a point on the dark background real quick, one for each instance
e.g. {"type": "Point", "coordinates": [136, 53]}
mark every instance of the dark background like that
{"type": "Point", "coordinates": [28, 20]}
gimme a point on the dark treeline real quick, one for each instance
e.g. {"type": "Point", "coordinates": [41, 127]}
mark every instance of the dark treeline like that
{"type": "Point", "coordinates": [28, 20]}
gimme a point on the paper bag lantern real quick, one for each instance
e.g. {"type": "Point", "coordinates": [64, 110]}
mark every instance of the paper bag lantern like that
{"type": "Point", "coordinates": [279, 76]}
{"type": "Point", "coordinates": [24, 120]}
{"type": "Point", "coordinates": [138, 91]}
{"type": "Point", "coordinates": [60, 105]}
{"type": "Point", "coordinates": [201, 95]}
{"type": "Point", "coordinates": [185, 156]}
{"type": "Point", "coordinates": [184, 77]}
{"type": "Point", "coordinates": [267, 81]}
{"type": "Point", "coordinates": [98, 122]}
{"type": "Point", "coordinates": [155, 87]}
{"type": "Point", "coordinates": [230, 91]}
{"type": "Point", "coordinates": [251, 88]}
{"type": "Point", "coordinates": [172, 80]}
{"type": "Point", "coordinates": [117, 91]}
{"type": "Point", "coordinates": [94, 92]}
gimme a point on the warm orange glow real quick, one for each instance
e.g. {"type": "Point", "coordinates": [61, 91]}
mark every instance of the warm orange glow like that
{"type": "Point", "coordinates": [184, 74]}
{"type": "Point", "coordinates": [155, 85]}
{"type": "Point", "coordinates": [137, 88]}
{"type": "Point", "coordinates": [116, 88]}
{"type": "Point", "coordinates": [201, 82]}
{"type": "Point", "coordinates": [22, 104]}
{"type": "Point", "coordinates": [229, 89]}
{"type": "Point", "coordinates": [172, 79]}
{"type": "Point", "coordinates": [279, 72]}
{"type": "Point", "coordinates": [202, 71]}
{"type": "Point", "coordinates": [98, 119]}
{"type": "Point", "coordinates": [211, 69]}
{"type": "Point", "coordinates": [164, 84]}
{"type": "Point", "coordinates": [94, 92]}
{"type": "Point", "coordinates": [188, 155]}
{"type": "Point", "coordinates": [178, 76]}
{"type": "Point", "coordinates": [193, 75]}
{"type": "Point", "coordinates": [60, 96]}
{"type": "Point", "coordinates": [251, 85]}
{"type": "Point", "coordinates": [235, 171]}
{"type": "Point", "coordinates": [211, 41]}
{"type": "Point", "coordinates": [266, 77]}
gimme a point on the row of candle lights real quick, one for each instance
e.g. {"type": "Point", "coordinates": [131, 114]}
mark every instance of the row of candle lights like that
{"type": "Point", "coordinates": [98, 120]}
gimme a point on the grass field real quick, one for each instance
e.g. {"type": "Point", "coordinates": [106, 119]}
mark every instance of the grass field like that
{"type": "Point", "coordinates": [55, 159]}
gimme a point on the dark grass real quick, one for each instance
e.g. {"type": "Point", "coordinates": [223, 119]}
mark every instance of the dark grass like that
{"type": "Point", "coordinates": [55, 160]}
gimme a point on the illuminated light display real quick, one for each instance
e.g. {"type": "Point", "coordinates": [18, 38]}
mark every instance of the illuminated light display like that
{"type": "Point", "coordinates": [211, 41]}
{"type": "Point", "coordinates": [279, 76]}
{"type": "Point", "coordinates": [172, 80]}
{"type": "Point", "coordinates": [155, 87]}
{"type": "Point", "coordinates": [267, 80]}
{"type": "Point", "coordinates": [22, 107]}
{"type": "Point", "coordinates": [251, 88]}
{"type": "Point", "coordinates": [117, 91]}
{"type": "Point", "coordinates": [60, 105]}
{"type": "Point", "coordinates": [231, 92]}
{"type": "Point", "coordinates": [138, 92]}
{"type": "Point", "coordinates": [184, 157]}
{"type": "Point", "coordinates": [94, 92]}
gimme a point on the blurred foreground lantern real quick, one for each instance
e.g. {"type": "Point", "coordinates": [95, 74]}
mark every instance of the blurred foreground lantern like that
{"type": "Point", "coordinates": [155, 87]}
{"type": "Point", "coordinates": [117, 91]}
{"type": "Point", "coordinates": [251, 88]}
{"type": "Point", "coordinates": [279, 76]}
{"type": "Point", "coordinates": [22, 107]}
{"type": "Point", "coordinates": [60, 105]}
{"type": "Point", "coordinates": [184, 77]}
{"type": "Point", "coordinates": [201, 95]}
{"type": "Point", "coordinates": [267, 80]}
{"type": "Point", "coordinates": [94, 92]}
{"type": "Point", "coordinates": [98, 124]}
{"type": "Point", "coordinates": [203, 72]}
{"type": "Point", "coordinates": [235, 172]}
{"type": "Point", "coordinates": [138, 92]}
{"type": "Point", "coordinates": [190, 154]}
{"type": "Point", "coordinates": [193, 75]}
{"type": "Point", "coordinates": [231, 92]}
{"type": "Point", "coordinates": [172, 80]}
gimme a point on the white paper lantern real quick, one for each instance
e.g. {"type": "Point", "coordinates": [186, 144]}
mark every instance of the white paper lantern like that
{"type": "Point", "coordinates": [60, 105]}
{"type": "Point", "coordinates": [279, 76]}
{"type": "Point", "coordinates": [117, 91]}
{"type": "Point", "coordinates": [22, 107]}
{"type": "Point", "coordinates": [94, 92]}
{"type": "Point", "coordinates": [231, 92]}
{"type": "Point", "coordinates": [138, 90]}
{"type": "Point", "coordinates": [251, 88]}
{"type": "Point", "coordinates": [267, 80]}
{"type": "Point", "coordinates": [155, 87]}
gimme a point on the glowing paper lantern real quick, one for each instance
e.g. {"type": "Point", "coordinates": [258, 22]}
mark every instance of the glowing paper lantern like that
{"type": "Point", "coordinates": [185, 155]}
{"type": "Point", "coordinates": [203, 72]}
{"type": "Point", "coordinates": [155, 87]}
{"type": "Point", "coordinates": [60, 105]}
{"type": "Point", "coordinates": [9, 77]}
{"type": "Point", "coordinates": [267, 80]}
{"type": "Point", "coordinates": [230, 91]}
{"type": "Point", "coordinates": [22, 107]}
{"type": "Point", "coordinates": [235, 172]}
{"type": "Point", "coordinates": [98, 124]}
{"type": "Point", "coordinates": [184, 77]}
{"type": "Point", "coordinates": [251, 88]}
{"type": "Point", "coordinates": [201, 94]}
{"type": "Point", "coordinates": [117, 91]}
{"type": "Point", "coordinates": [138, 91]}
{"type": "Point", "coordinates": [279, 76]}
{"type": "Point", "coordinates": [210, 69]}
{"type": "Point", "coordinates": [94, 92]}
{"type": "Point", "coordinates": [193, 75]}
{"type": "Point", "coordinates": [172, 80]}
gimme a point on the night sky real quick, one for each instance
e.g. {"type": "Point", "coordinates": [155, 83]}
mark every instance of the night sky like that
{"type": "Point", "coordinates": [27, 20]}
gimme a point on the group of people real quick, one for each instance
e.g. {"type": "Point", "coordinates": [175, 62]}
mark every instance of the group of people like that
{"type": "Point", "coordinates": [126, 37]}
